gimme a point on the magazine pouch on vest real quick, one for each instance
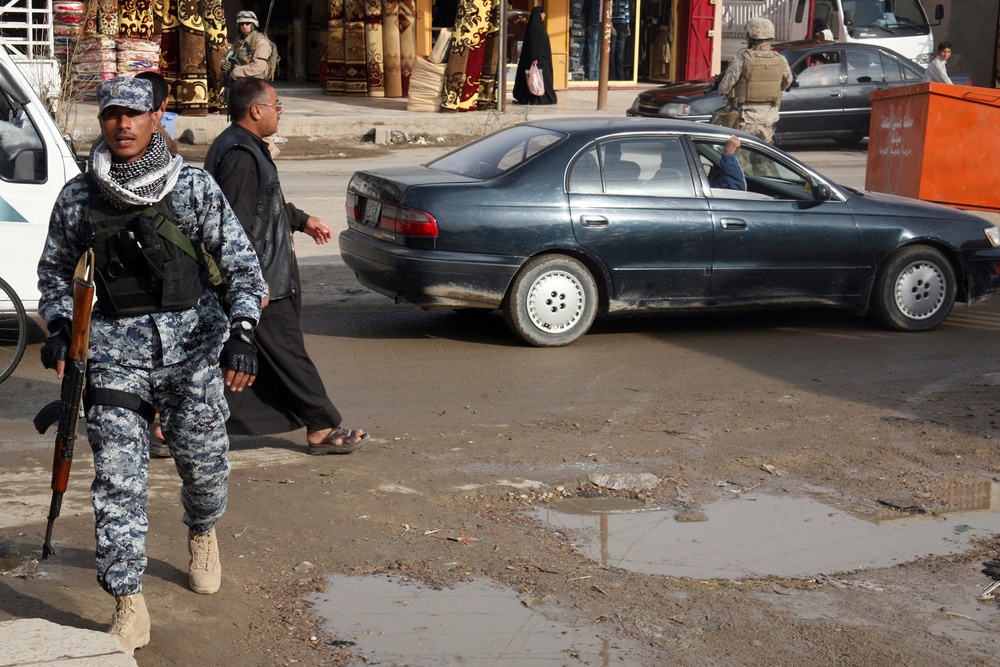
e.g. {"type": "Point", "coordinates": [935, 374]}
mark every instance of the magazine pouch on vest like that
{"type": "Point", "coordinates": [760, 78]}
{"type": "Point", "coordinates": [145, 263]}
{"type": "Point", "coordinates": [727, 116]}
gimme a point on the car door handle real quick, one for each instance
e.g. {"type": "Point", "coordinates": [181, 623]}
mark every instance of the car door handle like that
{"type": "Point", "coordinates": [593, 221]}
{"type": "Point", "coordinates": [734, 223]}
{"type": "Point", "coordinates": [836, 94]}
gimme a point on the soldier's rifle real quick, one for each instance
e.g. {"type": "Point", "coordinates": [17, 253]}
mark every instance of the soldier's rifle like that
{"type": "Point", "coordinates": [67, 409]}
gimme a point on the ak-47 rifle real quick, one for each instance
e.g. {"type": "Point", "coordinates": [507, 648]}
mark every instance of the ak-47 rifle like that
{"type": "Point", "coordinates": [67, 409]}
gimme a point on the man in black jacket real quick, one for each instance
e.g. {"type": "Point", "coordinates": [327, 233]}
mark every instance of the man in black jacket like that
{"type": "Point", "coordinates": [289, 392]}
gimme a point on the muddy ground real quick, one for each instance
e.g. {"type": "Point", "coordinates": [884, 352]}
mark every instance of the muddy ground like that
{"type": "Point", "coordinates": [472, 431]}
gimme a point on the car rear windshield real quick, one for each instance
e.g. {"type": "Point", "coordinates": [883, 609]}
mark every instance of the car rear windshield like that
{"type": "Point", "coordinates": [498, 153]}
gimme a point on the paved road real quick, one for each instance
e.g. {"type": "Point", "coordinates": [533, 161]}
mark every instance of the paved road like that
{"type": "Point", "coordinates": [318, 187]}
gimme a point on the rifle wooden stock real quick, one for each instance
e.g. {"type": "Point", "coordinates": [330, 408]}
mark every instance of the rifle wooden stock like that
{"type": "Point", "coordinates": [71, 392]}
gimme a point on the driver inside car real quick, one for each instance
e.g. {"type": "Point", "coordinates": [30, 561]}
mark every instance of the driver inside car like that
{"type": "Point", "coordinates": [728, 175]}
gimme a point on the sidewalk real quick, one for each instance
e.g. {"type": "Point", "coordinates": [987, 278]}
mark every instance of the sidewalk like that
{"type": "Point", "coordinates": [308, 111]}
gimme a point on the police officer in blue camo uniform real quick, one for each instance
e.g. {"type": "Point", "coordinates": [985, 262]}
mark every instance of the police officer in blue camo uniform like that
{"type": "Point", "coordinates": [156, 338]}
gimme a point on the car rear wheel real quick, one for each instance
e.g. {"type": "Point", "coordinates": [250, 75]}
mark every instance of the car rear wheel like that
{"type": "Point", "coordinates": [552, 301]}
{"type": "Point", "coordinates": [915, 290]}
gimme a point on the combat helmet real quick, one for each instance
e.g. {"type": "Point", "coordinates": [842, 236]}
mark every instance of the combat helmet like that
{"type": "Point", "coordinates": [246, 16]}
{"type": "Point", "coordinates": [760, 29]}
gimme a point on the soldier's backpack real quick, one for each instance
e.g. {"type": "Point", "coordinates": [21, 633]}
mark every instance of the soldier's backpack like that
{"type": "Point", "coordinates": [272, 60]}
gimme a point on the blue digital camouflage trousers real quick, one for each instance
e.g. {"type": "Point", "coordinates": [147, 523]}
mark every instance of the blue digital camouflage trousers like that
{"type": "Point", "coordinates": [193, 412]}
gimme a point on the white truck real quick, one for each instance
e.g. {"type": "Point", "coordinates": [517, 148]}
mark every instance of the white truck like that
{"type": "Point", "coordinates": [900, 25]}
{"type": "Point", "coordinates": [35, 162]}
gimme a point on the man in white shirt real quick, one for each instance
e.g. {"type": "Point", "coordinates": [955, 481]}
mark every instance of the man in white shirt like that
{"type": "Point", "coordinates": [937, 71]}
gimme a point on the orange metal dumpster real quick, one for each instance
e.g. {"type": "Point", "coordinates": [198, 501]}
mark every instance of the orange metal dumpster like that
{"type": "Point", "coordinates": [936, 142]}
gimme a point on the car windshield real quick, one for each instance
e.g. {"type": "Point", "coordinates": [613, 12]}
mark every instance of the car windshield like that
{"type": "Point", "coordinates": [789, 54]}
{"type": "Point", "coordinates": [885, 15]}
{"type": "Point", "coordinates": [498, 153]}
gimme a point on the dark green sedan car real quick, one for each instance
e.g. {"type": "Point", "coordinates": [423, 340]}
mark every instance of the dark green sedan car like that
{"type": "Point", "coordinates": [558, 221]}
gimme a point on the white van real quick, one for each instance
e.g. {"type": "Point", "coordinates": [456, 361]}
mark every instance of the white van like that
{"type": "Point", "coordinates": [900, 25]}
{"type": "Point", "coordinates": [35, 162]}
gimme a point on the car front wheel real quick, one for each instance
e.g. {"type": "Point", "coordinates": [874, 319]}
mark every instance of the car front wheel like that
{"type": "Point", "coordinates": [552, 301]}
{"type": "Point", "coordinates": [915, 290]}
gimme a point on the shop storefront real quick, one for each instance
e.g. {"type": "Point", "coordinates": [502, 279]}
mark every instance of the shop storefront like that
{"type": "Point", "coordinates": [651, 41]}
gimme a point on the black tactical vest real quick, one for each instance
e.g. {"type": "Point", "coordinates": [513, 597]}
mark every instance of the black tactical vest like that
{"type": "Point", "coordinates": [142, 265]}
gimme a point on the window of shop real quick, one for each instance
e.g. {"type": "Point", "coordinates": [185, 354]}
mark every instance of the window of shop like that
{"type": "Point", "coordinates": [585, 41]}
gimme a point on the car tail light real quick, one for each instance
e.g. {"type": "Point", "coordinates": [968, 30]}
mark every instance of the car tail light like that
{"type": "Point", "coordinates": [993, 234]}
{"type": "Point", "coordinates": [408, 221]}
{"type": "Point", "coordinates": [353, 207]}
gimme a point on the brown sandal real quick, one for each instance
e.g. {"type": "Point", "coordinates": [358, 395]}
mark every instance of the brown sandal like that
{"type": "Point", "coordinates": [340, 441]}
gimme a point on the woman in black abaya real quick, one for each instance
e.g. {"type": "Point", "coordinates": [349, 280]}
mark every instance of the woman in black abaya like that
{"type": "Point", "coordinates": [536, 48]}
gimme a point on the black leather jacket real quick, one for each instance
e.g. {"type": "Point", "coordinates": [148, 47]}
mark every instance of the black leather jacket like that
{"type": "Point", "coordinates": [269, 223]}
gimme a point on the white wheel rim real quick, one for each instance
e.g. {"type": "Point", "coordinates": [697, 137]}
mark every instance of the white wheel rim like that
{"type": "Point", "coordinates": [555, 302]}
{"type": "Point", "coordinates": [920, 290]}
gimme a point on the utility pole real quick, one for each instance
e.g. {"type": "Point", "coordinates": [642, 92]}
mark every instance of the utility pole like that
{"type": "Point", "coordinates": [602, 80]}
{"type": "Point", "coordinates": [502, 60]}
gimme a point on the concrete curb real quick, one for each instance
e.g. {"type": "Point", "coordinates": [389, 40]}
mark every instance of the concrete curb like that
{"type": "Point", "coordinates": [33, 641]}
{"type": "Point", "coordinates": [308, 113]}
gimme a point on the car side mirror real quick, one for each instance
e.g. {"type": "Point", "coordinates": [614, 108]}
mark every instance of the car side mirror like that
{"type": "Point", "coordinates": [939, 13]}
{"type": "Point", "coordinates": [820, 192]}
{"type": "Point", "coordinates": [795, 81]}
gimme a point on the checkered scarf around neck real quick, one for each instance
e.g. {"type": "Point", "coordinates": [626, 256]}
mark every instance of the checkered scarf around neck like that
{"type": "Point", "coordinates": [140, 183]}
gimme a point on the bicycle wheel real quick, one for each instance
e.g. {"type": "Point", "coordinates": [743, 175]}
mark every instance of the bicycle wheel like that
{"type": "Point", "coordinates": [13, 330]}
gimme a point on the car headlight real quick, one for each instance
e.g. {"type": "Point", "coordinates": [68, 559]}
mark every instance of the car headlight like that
{"type": "Point", "coordinates": [924, 59]}
{"type": "Point", "coordinates": [675, 109]}
{"type": "Point", "coordinates": [993, 234]}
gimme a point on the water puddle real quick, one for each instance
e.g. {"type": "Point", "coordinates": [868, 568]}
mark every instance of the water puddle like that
{"type": "Point", "coordinates": [19, 550]}
{"type": "Point", "coordinates": [397, 621]}
{"type": "Point", "coordinates": [755, 534]}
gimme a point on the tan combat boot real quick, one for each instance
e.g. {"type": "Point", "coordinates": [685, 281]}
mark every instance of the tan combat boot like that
{"type": "Point", "coordinates": [205, 571]}
{"type": "Point", "coordinates": [130, 624]}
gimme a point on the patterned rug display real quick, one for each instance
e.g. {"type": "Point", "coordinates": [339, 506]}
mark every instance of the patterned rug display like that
{"type": "Point", "coordinates": [474, 22]}
{"type": "Point", "coordinates": [371, 47]}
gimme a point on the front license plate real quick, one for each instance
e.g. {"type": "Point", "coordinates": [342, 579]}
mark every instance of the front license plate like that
{"type": "Point", "coordinates": [372, 209]}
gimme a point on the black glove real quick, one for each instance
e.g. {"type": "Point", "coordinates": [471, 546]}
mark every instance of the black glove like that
{"type": "Point", "coordinates": [57, 344]}
{"type": "Point", "coordinates": [239, 353]}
